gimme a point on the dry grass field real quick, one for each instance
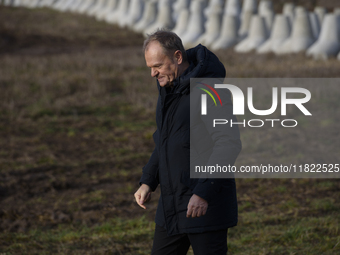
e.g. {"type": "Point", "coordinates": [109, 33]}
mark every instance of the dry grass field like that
{"type": "Point", "coordinates": [76, 122]}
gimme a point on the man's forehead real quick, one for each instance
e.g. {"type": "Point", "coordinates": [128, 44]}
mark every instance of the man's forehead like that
{"type": "Point", "coordinates": [154, 47]}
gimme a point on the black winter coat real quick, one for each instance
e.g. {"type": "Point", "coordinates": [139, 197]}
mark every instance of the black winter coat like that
{"type": "Point", "coordinates": [169, 162]}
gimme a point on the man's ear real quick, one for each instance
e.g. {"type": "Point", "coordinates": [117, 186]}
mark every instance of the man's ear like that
{"type": "Point", "coordinates": [178, 57]}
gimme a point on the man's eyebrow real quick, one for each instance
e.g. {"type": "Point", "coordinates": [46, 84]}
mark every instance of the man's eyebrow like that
{"type": "Point", "coordinates": [156, 64]}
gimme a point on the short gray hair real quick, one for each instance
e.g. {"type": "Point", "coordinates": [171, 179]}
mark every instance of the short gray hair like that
{"type": "Point", "coordinates": [169, 41]}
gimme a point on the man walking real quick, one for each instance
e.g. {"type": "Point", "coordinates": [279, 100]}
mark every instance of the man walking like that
{"type": "Point", "coordinates": [196, 212]}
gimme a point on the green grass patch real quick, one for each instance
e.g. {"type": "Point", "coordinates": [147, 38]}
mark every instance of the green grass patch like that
{"type": "Point", "coordinates": [284, 235]}
{"type": "Point", "coordinates": [116, 236]}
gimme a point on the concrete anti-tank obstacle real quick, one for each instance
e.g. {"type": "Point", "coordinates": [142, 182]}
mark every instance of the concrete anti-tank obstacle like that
{"type": "Point", "coordinates": [75, 5]}
{"type": "Point", "coordinates": [42, 3]}
{"type": "Point", "coordinates": [328, 43]}
{"type": "Point", "coordinates": [320, 11]}
{"type": "Point", "coordinates": [280, 32]}
{"type": "Point", "coordinates": [134, 14]}
{"type": "Point", "coordinates": [232, 8]}
{"type": "Point", "coordinates": [149, 16]}
{"type": "Point", "coordinates": [249, 6]}
{"type": "Point", "coordinates": [31, 4]}
{"type": "Point", "coordinates": [212, 25]}
{"type": "Point", "coordinates": [182, 23]}
{"type": "Point", "coordinates": [209, 9]}
{"type": "Point", "coordinates": [245, 24]}
{"type": "Point", "coordinates": [336, 11]}
{"type": "Point", "coordinates": [115, 13]}
{"type": "Point", "coordinates": [38, 3]}
{"type": "Point", "coordinates": [51, 3]}
{"type": "Point", "coordinates": [289, 11]}
{"type": "Point", "coordinates": [110, 7]}
{"type": "Point", "coordinates": [300, 10]}
{"type": "Point", "coordinates": [257, 35]}
{"type": "Point", "coordinates": [56, 4]}
{"type": "Point", "coordinates": [302, 35]}
{"type": "Point", "coordinates": [266, 11]}
{"type": "Point", "coordinates": [314, 21]}
{"type": "Point", "coordinates": [230, 24]}
{"type": "Point", "coordinates": [26, 3]}
{"type": "Point", "coordinates": [6, 2]}
{"type": "Point", "coordinates": [265, 6]}
{"type": "Point", "coordinates": [18, 3]}
{"type": "Point", "coordinates": [177, 7]}
{"type": "Point", "coordinates": [59, 4]}
{"type": "Point", "coordinates": [164, 17]}
{"type": "Point", "coordinates": [122, 10]}
{"type": "Point", "coordinates": [337, 14]}
{"type": "Point", "coordinates": [195, 26]}
{"type": "Point", "coordinates": [15, 3]}
{"type": "Point", "coordinates": [229, 33]}
{"type": "Point", "coordinates": [84, 8]}
{"type": "Point", "coordinates": [70, 5]}
{"type": "Point", "coordinates": [248, 9]}
{"type": "Point", "coordinates": [99, 5]}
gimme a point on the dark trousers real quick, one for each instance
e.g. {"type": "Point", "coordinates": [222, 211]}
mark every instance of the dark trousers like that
{"type": "Point", "coordinates": [213, 242]}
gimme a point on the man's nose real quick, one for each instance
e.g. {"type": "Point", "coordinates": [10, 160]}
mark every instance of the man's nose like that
{"type": "Point", "coordinates": [154, 72]}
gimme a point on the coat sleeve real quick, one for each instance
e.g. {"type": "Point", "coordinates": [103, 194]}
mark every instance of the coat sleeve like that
{"type": "Point", "coordinates": [226, 146]}
{"type": "Point", "coordinates": [150, 174]}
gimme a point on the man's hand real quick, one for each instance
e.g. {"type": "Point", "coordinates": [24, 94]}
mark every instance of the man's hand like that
{"type": "Point", "coordinates": [143, 195]}
{"type": "Point", "coordinates": [197, 206]}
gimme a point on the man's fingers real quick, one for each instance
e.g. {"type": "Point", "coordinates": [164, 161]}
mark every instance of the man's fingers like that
{"type": "Point", "coordinates": [143, 206]}
{"type": "Point", "coordinates": [192, 211]}
{"type": "Point", "coordinates": [140, 203]}
{"type": "Point", "coordinates": [199, 212]}
{"type": "Point", "coordinates": [189, 211]}
{"type": "Point", "coordinates": [197, 207]}
{"type": "Point", "coordinates": [143, 198]}
{"type": "Point", "coordinates": [204, 211]}
{"type": "Point", "coordinates": [140, 200]}
{"type": "Point", "coordinates": [196, 211]}
{"type": "Point", "coordinates": [143, 195]}
{"type": "Point", "coordinates": [148, 197]}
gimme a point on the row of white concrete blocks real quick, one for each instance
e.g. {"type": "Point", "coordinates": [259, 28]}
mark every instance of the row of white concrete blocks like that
{"type": "Point", "coordinates": [219, 24]}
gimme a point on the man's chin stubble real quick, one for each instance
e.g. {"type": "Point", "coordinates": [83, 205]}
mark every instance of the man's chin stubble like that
{"type": "Point", "coordinates": [169, 85]}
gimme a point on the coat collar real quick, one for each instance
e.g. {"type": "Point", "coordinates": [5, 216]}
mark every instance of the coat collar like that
{"type": "Point", "coordinates": [203, 63]}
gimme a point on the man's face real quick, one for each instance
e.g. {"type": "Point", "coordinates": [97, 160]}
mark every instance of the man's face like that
{"type": "Point", "coordinates": [163, 67]}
